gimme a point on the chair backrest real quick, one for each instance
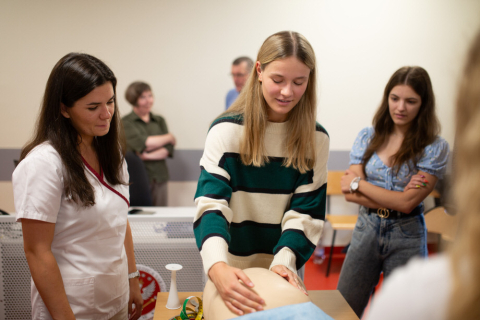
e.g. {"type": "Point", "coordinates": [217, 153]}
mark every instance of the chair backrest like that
{"type": "Point", "coordinates": [140, 195]}
{"type": "Point", "coordinates": [438, 221]}
{"type": "Point", "coordinates": [333, 182]}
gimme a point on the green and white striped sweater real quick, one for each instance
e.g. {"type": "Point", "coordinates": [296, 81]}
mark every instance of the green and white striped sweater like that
{"type": "Point", "coordinates": [258, 216]}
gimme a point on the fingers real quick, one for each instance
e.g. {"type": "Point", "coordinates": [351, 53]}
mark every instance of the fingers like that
{"type": "Point", "coordinates": [416, 182]}
{"type": "Point", "coordinates": [300, 285]}
{"type": "Point", "coordinates": [136, 312]}
{"type": "Point", "coordinates": [234, 288]}
{"type": "Point", "coordinates": [280, 270]}
{"type": "Point", "coordinates": [132, 316]}
{"type": "Point", "coordinates": [130, 301]}
{"type": "Point", "coordinates": [232, 308]}
{"type": "Point", "coordinates": [291, 277]}
{"type": "Point", "coordinates": [138, 309]}
{"type": "Point", "coordinates": [245, 300]}
{"type": "Point", "coordinates": [345, 184]}
{"type": "Point", "coordinates": [242, 276]}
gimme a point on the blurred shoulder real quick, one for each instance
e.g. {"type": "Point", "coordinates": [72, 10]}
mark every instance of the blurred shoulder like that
{"type": "Point", "coordinates": [320, 128]}
{"type": "Point", "coordinates": [227, 120]}
{"type": "Point", "coordinates": [44, 152]}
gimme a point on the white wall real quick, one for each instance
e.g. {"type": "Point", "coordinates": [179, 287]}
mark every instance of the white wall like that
{"type": "Point", "coordinates": [184, 50]}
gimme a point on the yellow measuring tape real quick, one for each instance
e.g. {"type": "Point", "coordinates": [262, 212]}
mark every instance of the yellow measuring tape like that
{"type": "Point", "coordinates": [193, 314]}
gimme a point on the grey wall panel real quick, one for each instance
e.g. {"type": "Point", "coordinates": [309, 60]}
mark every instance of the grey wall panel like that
{"type": "Point", "coordinates": [6, 163]}
{"type": "Point", "coordinates": [185, 166]}
{"type": "Point", "coordinates": [338, 160]}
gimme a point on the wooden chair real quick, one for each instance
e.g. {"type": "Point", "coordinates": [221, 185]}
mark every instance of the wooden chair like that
{"type": "Point", "coordinates": [337, 221]}
{"type": "Point", "coordinates": [445, 225]}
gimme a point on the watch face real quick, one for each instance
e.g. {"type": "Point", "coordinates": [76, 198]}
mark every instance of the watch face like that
{"type": "Point", "coordinates": [355, 185]}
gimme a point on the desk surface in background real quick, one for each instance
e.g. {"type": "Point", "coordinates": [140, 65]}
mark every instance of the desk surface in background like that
{"type": "Point", "coordinates": [166, 212]}
{"type": "Point", "coordinates": [330, 301]}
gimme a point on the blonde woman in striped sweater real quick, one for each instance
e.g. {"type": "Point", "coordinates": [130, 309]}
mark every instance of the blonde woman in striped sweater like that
{"type": "Point", "coordinates": [261, 193]}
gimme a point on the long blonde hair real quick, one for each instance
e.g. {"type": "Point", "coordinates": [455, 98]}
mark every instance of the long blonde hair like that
{"type": "Point", "coordinates": [465, 298]}
{"type": "Point", "coordinates": [300, 144]}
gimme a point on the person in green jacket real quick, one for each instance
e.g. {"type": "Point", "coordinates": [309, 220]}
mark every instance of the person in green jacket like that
{"type": "Point", "coordinates": [147, 135]}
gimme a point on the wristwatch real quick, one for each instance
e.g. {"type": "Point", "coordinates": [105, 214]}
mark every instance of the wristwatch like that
{"type": "Point", "coordinates": [354, 184]}
{"type": "Point", "coordinates": [135, 274]}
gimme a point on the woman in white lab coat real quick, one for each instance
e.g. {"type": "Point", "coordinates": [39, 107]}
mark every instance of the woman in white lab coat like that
{"type": "Point", "coordinates": [71, 196]}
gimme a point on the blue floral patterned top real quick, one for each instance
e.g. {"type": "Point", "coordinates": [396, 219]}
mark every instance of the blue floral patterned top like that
{"type": "Point", "coordinates": [433, 161]}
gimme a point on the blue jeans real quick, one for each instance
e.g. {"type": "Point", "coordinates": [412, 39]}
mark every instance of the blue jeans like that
{"type": "Point", "coordinates": [378, 245]}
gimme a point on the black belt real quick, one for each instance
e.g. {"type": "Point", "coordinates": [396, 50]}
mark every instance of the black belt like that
{"type": "Point", "coordinates": [394, 214]}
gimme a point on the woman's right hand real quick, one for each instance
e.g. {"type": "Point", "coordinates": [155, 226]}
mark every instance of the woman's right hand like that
{"type": "Point", "coordinates": [235, 295]}
{"type": "Point", "coordinates": [417, 181]}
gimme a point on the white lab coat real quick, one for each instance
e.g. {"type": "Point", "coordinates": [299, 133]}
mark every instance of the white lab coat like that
{"type": "Point", "coordinates": [88, 243]}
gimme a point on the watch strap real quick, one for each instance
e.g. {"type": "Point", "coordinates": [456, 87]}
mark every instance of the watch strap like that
{"type": "Point", "coordinates": [135, 274]}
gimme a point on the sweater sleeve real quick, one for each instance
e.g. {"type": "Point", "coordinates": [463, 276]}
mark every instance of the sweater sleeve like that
{"type": "Point", "coordinates": [212, 199]}
{"type": "Point", "coordinates": [303, 222]}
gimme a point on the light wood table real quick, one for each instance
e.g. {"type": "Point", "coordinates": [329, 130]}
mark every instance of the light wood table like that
{"type": "Point", "coordinates": [330, 301]}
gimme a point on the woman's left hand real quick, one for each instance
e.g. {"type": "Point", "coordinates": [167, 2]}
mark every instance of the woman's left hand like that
{"type": "Point", "coordinates": [135, 298]}
{"type": "Point", "coordinates": [347, 180]}
{"type": "Point", "coordinates": [416, 182]}
{"type": "Point", "coordinates": [291, 277]}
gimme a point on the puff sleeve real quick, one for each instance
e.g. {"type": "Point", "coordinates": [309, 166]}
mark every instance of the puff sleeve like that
{"type": "Point", "coordinates": [360, 145]}
{"type": "Point", "coordinates": [435, 158]}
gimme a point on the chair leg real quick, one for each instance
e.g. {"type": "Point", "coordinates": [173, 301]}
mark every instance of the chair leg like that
{"type": "Point", "coordinates": [331, 253]}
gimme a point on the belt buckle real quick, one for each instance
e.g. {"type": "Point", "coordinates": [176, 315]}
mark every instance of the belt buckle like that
{"type": "Point", "coordinates": [383, 212]}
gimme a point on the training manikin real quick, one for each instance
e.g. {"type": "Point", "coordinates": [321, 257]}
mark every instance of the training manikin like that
{"type": "Point", "coordinates": [274, 289]}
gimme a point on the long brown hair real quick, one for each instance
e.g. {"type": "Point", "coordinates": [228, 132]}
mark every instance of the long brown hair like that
{"type": "Point", "coordinates": [72, 78]}
{"type": "Point", "coordinates": [424, 128]}
{"type": "Point", "coordinates": [465, 296]}
{"type": "Point", "coordinates": [251, 104]}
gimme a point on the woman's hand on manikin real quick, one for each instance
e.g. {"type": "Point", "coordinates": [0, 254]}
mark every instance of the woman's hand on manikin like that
{"type": "Point", "coordinates": [291, 277]}
{"type": "Point", "coordinates": [416, 182]}
{"type": "Point", "coordinates": [238, 298]}
{"type": "Point", "coordinates": [346, 180]}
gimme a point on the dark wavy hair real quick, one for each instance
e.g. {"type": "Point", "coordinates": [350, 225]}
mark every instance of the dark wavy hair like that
{"type": "Point", "coordinates": [424, 128]}
{"type": "Point", "coordinates": [72, 78]}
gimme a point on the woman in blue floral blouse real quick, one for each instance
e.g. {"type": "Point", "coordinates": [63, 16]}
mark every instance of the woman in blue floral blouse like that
{"type": "Point", "coordinates": [394, 166]}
